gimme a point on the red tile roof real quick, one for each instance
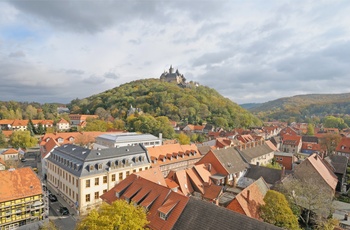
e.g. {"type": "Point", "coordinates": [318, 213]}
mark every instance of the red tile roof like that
{"type": "Point", "coordinates": [344, 145]}
{"type": "Point", "coordinates": [51, 144]}
{"type": "Point", "coordinates": [328, 176]}
{"type": "Point", "coordinates": [19, 183]}
{"type": "Point", "coordinates": [153, 174]}
{"type": "Point", "coordinates": [10, 151]}
{"type": "Point", "coordinates": [291, 139]}
{"type": "Point", "coordinates": [249, 200]}
{"type": "Point", "coordinates": [212, 192]}
{"type": "Point", "coordinates": [157, 198]}
{"type": "Point", "coordinates": [7, 133]}
{"type": "Point", "coordinates": [20, 123]}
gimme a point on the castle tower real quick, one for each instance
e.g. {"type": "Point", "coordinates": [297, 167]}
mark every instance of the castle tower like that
{"type": "Point", "coordinates": [171, 69]}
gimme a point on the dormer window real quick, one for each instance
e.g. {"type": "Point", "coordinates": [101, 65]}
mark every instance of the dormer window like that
{"type": "Point", "coordinates": [163, 216]}
{"type": "Point", "coordinates": [112, 164]}
{"type": "Point", "coordinates": [342, 147]}
{"type": "Point", "coordinates": [99, 166]}
{"type": "Point", "coordinates": [91, 167]}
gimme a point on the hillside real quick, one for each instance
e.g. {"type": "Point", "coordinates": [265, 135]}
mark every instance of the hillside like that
{"type": "Point", "coordinates": [157, 98]}
{"type": "Point", "coordinates": [303, 106]}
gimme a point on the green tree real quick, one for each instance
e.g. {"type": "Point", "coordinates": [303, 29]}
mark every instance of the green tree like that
{"type": "Point", "coordinates": [310, 130]}
{"type": "Point", "coordinates": [334, 122]}
{"type": "Point", "coordinates": [276, 211]}
{"type": "Point", "coordinates": [184, 139]}
{"type": "Point", "coordinates": [22, 139]}
{"type": "Point", "coordinates": [31, 128]}
{"type": "Point", "coordinates": [96, 125]}
{"type": "Point", "coordinates": [119, 215]}
{"type": "Point", "coordinates": [2, 139]}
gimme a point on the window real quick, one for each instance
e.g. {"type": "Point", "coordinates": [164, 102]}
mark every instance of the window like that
{"type": "Point", "coordinates": [104, 191]}
{"type": "Point", "coordinates": [127, 173]}
{"type": "Point", "coordinates": [134, 170]}
{"type": "Point", "coordinates": [113, 177]}
{"type": "Point", "coordinates": [91, 167]}
{"type": "Point", "coordinates": [140, 169]}
{"type": "Point", "coordinates": [105, 179]}
{"type": "Point", "coordinates": [120, 176]}
{"type": "Point", "coordinates": [162, 216]}
{"type": "Point", "coordinates": [87, 198]}
{"type": "Point", "coordinates": [97, 181]}
{"type": "Point", "coordinates": [87, 184]}
{"type": "Point", "coordinates": [97, 195]}
{"type": "Point", "coordinates": [100, 166]}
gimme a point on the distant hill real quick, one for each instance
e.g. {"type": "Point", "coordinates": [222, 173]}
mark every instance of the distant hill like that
{"type": "Point", "coordinates": [250, 106]}
{"type": "Point", "coordinates": [194, 104]}
{"type": "Point", "coordinates": [303, 106]}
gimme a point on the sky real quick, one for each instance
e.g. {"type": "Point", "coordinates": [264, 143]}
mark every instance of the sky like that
{"type": "Point", "coordinates": [249, 51]}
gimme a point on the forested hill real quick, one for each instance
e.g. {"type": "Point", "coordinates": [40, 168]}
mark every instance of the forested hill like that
{"type": "Point", "coordinates": [157, 98]}
{"type": "Point", "coordinates": [303, 106]}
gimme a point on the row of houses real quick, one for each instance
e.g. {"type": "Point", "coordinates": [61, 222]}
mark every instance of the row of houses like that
{"type": "Point", "coordinates": [76, 120]}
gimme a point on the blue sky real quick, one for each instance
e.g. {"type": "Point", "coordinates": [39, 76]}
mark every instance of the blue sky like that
{"type": "Point", "coordinates": [249, 51]}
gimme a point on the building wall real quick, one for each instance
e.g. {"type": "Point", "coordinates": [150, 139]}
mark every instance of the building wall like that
{"type": "Point", "coordinates": [262, 160]}
{"type": "Point", "coordinates": [285, 161]}
{"type": "Point", "coordinates": [19, 212]}
{"type": "Point", "coordinates": [74, 190]}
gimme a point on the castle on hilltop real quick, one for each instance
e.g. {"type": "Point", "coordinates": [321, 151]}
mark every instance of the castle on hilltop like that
{"type": "Point", "coordinates": [173, 76]}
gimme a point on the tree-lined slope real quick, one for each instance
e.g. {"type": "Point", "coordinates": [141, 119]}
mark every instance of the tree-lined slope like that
{"type": "Point", "coordinates": [194, 104]}
{"type": "Point", "coordinates": [302, 106]}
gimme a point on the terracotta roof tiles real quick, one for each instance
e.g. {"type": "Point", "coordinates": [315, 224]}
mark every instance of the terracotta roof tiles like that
{"type": "Point", "coordinates": [19, 183]}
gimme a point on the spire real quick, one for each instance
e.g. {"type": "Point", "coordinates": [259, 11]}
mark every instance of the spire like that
{"type": "Point", "coordinates": [171, 69]}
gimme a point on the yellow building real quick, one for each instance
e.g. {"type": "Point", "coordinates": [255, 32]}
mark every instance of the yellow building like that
{"type": "Point", "coordinates": [21, 198]}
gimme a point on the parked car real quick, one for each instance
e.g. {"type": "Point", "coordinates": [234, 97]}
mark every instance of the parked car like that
{"type": "Point", "coordinates": [64, 211]}
{"type": "Point", "coordinates": [52, 198]}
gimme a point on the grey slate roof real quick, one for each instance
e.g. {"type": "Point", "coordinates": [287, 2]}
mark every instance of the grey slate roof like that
{"type": "Point", "coordinates": [284, 154]}
{"type": "Point", "coordinates": [203, 149]}
{"type": "Point", "coordinates": [271, 176]}
{"type": "Point", "coordinates": [254, 152]}
{"type": "Point", "coordinates": [203, 215]}
{"type": "Point", "coordinates": [231, 160]}
{"type": "Point", "coordinates": [338, 162]}
{"type": "Point", "coordinates": [312, 139]}
{"type": "Point", "coordinates": [77, 160]}
{"type": "Point", "coordinates": [127, 137]}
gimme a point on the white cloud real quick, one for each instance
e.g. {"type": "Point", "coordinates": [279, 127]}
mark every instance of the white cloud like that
{"type": "Point", "coordinates": [249, 51]}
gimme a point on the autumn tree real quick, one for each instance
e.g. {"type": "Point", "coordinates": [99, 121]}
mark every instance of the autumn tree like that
{"type": "Point", "coordinates": [184, 139]}
{"type": "Point", "coordinates": [119, 215]}
{"type": "Point", "coordinates": [22, 139]}
{"type": "Point", "coordinates": [313, 200]}
{"type": "Point", "coordinates": [276, 211]}
{"type": "Point", "coordinates": [329, 142]}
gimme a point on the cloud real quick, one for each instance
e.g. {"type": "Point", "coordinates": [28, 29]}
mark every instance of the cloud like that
{"type": "Point", "coordinates": [74, 71]}
{"type": "Point", "coordinates": [111, 75]}
{"type": "Point", "coordinates": [94, 80]}
{"type": "Point", "coordinates": [17, 54]}
{"type": "Point", "coordinates": [249, 51]}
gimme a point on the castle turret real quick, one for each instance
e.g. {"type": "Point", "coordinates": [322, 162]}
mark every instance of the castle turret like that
{"type": "Point", "coordinates": [171, 69]}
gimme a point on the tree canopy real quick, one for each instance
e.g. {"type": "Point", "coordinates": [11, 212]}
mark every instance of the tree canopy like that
{"type": "Point", "coordinates": [22, 139]}
{"type": "Point", "coordinates": [189, 105]}
{"type": "Point", "coordinates": [276, 211]}
{"type": "Point", "coordinates": [119, 215]}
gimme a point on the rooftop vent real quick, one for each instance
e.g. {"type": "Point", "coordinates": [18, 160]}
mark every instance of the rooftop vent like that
{"type": "Point", "coordinates": [127, 150]}
{"type": "Point", "coordinates": [98, 153]}
{"type": "Point", "coordinates": [83, 152]}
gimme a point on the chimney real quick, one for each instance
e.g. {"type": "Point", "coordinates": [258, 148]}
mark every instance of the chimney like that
{"type": "Point", "coordinates": [248, 195]}
{"type": "Point", "coordinates": [346, 216]}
